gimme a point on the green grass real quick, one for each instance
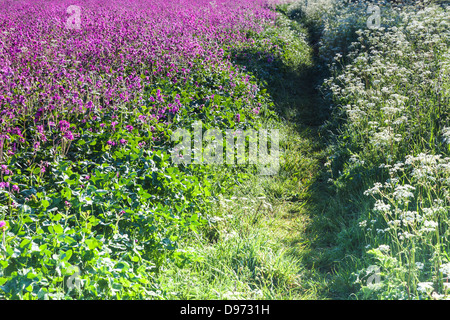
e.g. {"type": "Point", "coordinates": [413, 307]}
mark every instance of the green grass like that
{"type": "Point", "coordinates": [266, 240]}
{"type": "Point", "coordinates": [298, 235]}
{"type": "Point", "coordinates": [311, 231]}
{"type": "Point", "coordinates": [390, 127]}
{"type": "Point", "coordinates": [308, 232]}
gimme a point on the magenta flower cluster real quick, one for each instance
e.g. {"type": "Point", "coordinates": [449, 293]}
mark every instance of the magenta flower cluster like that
{"type": "Point", "coordinates": [52, 77]}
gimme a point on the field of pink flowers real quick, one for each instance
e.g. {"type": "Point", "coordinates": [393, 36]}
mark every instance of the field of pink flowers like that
{"type": "Point", "coordinates": [90, 92]}
{"type": "Point", "coordinates": [50, 73]}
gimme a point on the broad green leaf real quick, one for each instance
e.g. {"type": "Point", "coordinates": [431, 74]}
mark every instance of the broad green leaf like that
{"type": "Point", "coordinates": [45, 204]}
{"type": "Point", "coordinates": [66, 193]}
{"type": "Point", "coordinates": [122, 266]}
{"type": "Point", "coordinates": [65, 256]}
{"type": "Point", "coordinates": [92, 243]}
{"type": "Point", "coordinates": [57, 217]}
{"type": "Point", "coordinates": [24, 243]}
{"type": "Point", "coordinates": [58, 229]}
{"type": "Point", "coordinates": [31, 275]}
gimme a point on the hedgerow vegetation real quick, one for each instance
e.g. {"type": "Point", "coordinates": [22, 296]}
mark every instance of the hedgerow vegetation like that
{"type": "Point", "coordinates": [93, 206]}
{"type": "Point", "coordinates": [389, 161]}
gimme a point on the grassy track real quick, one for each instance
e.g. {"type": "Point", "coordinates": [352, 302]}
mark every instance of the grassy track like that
{"type": "Point", "coordinates": [91, 191]}
{"type": "Point", "coordinates": [294, 235]}
{"type": "Point", "coordinates": [272, 238]}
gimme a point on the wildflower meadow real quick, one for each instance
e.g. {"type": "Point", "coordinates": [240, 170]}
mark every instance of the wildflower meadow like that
{"type": "Point", "coordinates": [245, 149]}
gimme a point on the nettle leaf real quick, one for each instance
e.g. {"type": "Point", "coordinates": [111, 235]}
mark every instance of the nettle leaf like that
{"type": "Point", "coordinates": [101, 192]}
{"type": "Point", "coordinates": [35, 247]}
{"type": "Point", "coordinates": [88, 200]}
{"type": "Point", "coordinates": [66, 239]}
{"type": "Point", "coordinates": [43, 294]}
{"type": "Point", "coordinates": [31, 275]}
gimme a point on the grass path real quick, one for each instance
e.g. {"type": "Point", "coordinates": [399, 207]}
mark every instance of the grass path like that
{"type": "Point", "coordinates": [272, 237]}
{"type": "Point", "coordinates": [302, 224]}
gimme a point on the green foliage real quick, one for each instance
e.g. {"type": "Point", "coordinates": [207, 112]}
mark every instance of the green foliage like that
{"type": "Point", "coordinates": [107, 211]}
{"type": "Point", "coordinates": [109, 216]}
{"type": "Point", "coordinates": [391, 153]}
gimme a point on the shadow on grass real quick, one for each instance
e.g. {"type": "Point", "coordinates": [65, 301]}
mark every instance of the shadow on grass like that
{"type": "Point", "coordinates": [299, 101]}
{"type": "Point", "coordinates": [294, 92]}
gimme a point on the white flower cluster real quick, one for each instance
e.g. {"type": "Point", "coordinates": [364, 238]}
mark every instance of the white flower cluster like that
{"type": "Point", "coordinates": [383, 248]}
{"type": "Point", "coordinates": [393, 94]}
{"type": "Point", "coordinates": [376, 189]}
{"type": "Point", "coordinates": [445, 268]}
{"type": "Point", "coordinates": [403, 192]}
{"type": "Point", "coordinates": [381, 206]}
{"type": "Point", "coordinates": [425, 286]}
{"type": "Point", "coordinates": [446, 135]}
{"type": "Point", "coordinates": [429, 226]}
